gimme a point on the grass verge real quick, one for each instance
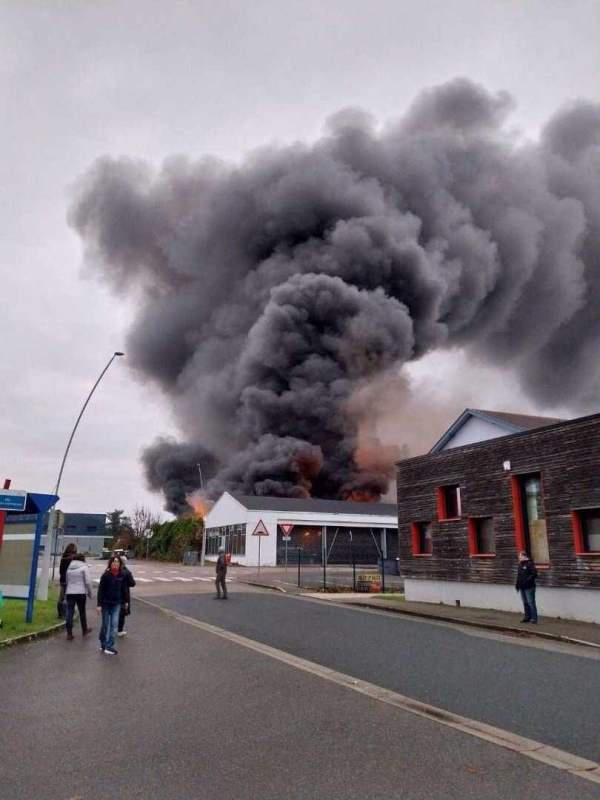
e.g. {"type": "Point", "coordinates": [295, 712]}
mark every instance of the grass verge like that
{"type": "Point", "coordinates": [391, 596]}
{"type": "Point", "coordinates": [13, 613]}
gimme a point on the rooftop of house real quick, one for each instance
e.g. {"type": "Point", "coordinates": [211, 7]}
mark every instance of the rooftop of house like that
{"type": "Point", "coordinates": [315, 506]}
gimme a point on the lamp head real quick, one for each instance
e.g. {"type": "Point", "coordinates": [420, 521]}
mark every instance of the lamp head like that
{"type": "Point", "coordinates": [117, 353]}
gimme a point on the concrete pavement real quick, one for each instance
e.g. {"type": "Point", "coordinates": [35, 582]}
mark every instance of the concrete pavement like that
{"type": "Point", "coordinates": [180, 713]}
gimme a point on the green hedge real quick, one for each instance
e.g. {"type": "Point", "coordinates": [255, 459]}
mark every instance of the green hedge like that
{"type": "Point", "coordinates": [172, 539]}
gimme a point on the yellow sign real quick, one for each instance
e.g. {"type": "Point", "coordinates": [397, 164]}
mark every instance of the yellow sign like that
{"type": "Point", "coordinates": [370, 576]}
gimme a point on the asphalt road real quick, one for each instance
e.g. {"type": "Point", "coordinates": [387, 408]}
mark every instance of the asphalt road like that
{"type": "Point", "coordinates": [181, 714]}
{"type": "Point", "coordinates": [541, 693]}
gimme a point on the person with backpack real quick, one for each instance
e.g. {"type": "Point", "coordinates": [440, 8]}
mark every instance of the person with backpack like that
{"type": "Point", "coordinates": [111, 595]}
{"type": "Point", "coordinates": [128, 583]}
{"type": "Point", "coordinates": [65, 560]}
{"type": "Point", "coordinates": [78, 589]}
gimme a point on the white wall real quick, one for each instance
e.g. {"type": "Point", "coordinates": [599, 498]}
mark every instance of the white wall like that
{"type": "Point", "coordinates": [475, 430]}
{"type": "Point", "coordinates": [226, 511]}
{"type": "Point", "coordinates": [268, 544]}
{"type": "Point", "coordinates": [578, 604]}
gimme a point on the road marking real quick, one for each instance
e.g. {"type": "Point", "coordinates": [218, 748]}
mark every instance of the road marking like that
{"type": "Point", "coordinates": [143, 580]}
{"type": "Point", "coordinates": [165, 580]}
{"type": "Point", "coordinates": [538, 751]}
{"type": "Point", "coordinates": [186, 580]}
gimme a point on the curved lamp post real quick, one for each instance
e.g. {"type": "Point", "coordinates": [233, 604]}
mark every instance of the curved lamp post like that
{"type": "Point", "coordinates": [43, 585]}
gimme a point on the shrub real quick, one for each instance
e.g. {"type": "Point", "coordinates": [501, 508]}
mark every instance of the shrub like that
{"type": "Point", "coordinates": [172, 539]}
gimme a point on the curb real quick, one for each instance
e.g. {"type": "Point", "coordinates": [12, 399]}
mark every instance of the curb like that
{"type": "Point", "coordinates": [264, 586]}
{"type": "Point", "coordinates": [31, 637]}
{"type": "Point", "coordinates": [490, 626]}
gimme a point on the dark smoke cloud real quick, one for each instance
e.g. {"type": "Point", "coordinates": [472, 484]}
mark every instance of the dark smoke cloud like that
{"type": "Point", "coordinates": [273, 291]}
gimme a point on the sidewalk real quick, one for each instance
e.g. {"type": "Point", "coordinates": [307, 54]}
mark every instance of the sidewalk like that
{"type": "Point", "coordinates": [503, 621]}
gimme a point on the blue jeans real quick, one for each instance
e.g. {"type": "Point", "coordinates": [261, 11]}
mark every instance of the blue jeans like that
{"type": "Point", "coordinates": [108, 631]}
{"type": "Point", "coordinates": [529, 606]}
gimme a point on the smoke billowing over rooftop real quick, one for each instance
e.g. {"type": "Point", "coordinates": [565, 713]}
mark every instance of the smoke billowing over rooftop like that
{"type": "Point", "coordinates": [272, 293]}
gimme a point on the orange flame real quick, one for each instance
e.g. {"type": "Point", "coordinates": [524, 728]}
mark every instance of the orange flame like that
{"type": "Point", "coordinates": [200, 505]}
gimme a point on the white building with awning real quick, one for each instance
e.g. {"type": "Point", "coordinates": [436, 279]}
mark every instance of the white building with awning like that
{"type": "Point", "coordinates": [342, 531]}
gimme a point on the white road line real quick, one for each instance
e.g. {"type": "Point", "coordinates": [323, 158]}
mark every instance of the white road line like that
{"type": "Point", "coordinates": [143, 580]}
{"type": "Point", "coordinates": [165, 580]}
{"type": "Point", "coordinates": [529, 748]}
{"type": "Point", "coordinates": [186, 580]}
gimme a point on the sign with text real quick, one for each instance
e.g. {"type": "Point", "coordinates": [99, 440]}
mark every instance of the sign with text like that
{"type": "Point", "coordinates": [368, 582]}
{"type": "Point", "coordinates": [12, 500]}
{"type": "Point", "coordinates": [260, 530]}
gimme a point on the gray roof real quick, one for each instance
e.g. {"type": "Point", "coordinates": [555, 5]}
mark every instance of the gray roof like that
{"type": "Point", "coordinates": [261, 503]}
{"type": "Point", "coordinates": [524, 422]}
{"type": "Point", "coordinates": [512, 423]}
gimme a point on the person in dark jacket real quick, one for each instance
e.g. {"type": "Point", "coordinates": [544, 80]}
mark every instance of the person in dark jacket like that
{"type": "Point", "coordinates": [65, 560]}
{"type": "Point", "coordinates": [221, 570]}
{"type": "Point", "coordinates": [111, 593]}
{"type": "Point", "coordinates": [128, 583]}
{"type": "Point", "coordinates": [526, 579]}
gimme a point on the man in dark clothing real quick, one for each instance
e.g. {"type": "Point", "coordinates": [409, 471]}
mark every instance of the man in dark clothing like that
{"type": "Point", "coordinates": [526, 578]}
{"type": "Point", "coordinates": [221, 571]}
{"type": "Point", "coordinates": [128, 583]}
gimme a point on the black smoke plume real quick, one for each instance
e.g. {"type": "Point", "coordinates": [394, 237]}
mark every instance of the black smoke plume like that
{"type": "Point", "coordinates": [271, 292]}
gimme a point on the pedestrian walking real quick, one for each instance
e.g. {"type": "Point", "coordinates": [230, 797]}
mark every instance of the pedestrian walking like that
{"type": "Point", "coordinates": [65, 560]}
{"type": "Point", "coordinates": [78, 589]}
{"type": "Point", "coordinates": [128, 584]}
{"type": "Point", "coordinates": [110, 599]}
{"type": "Point", "coordinates": [221, 571]}
{"type": "Point", "coordinates": [526, 581]}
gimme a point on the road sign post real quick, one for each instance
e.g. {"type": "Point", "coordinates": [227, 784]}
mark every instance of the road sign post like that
{"type": "Point", "coordinates": [260, 531]}
{"type": "Point", "coordinates": [148, 533]}
{"type": "Point", "coordinates": [287, 529]}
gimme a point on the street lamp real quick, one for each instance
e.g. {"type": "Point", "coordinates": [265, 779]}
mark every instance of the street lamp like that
{"type": "Point", "coordinates": [43, 585]}
{"type": "Point", "coordinates": [201, 481]}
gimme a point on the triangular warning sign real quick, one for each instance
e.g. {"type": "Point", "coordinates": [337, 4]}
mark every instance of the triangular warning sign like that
{"type": "Point", "coordinates": [260, 529]}
{"type": "Point", "coordinates": [286, 528]}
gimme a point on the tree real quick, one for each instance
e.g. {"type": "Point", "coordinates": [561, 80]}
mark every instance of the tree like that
{"type": "Point", "coordinates": [144, 518]}
{"type": "Point", "coordinates": [117, 525]}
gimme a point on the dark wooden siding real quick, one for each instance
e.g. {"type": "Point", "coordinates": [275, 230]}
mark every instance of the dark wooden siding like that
{"type": "Point", "coordinates": [568, 458]}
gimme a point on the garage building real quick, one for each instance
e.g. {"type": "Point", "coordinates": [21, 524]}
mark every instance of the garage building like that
{"type": "Point", "coordinates": [340, 529]}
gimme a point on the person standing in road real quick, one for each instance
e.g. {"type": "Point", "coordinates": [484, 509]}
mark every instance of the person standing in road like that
{"type": "Point", "coordinates": [526, 580]}
{"type": "Point", "coordinates": [65, 560]}
{"type": "Point", "coordinates": [110, 599]}
{"type": "Point", "coordinates": [221, 571]}
{"type": "Point", "coordinates": [78, 589]}
{"type": "Point", "coordinates": [128, 583]}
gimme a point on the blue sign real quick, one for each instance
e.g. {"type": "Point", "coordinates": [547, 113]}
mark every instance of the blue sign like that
{"type": "Point", "coordinates": [12, 500]}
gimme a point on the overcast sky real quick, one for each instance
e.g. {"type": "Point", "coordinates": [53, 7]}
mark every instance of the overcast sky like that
{"type": "Point", "coordinates": [150, 79]}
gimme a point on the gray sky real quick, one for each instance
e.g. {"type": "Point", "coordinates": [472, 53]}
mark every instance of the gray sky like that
{"type": "Point", "coordinates": [150, 79]}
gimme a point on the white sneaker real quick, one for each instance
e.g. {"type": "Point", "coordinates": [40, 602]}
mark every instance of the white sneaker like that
{"type": "Point", "coordinates": [122, 633]}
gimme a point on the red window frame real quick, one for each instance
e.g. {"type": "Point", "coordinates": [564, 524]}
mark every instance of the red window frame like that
{"type": "Point", "coordinates": [415, 531]}
{"type": "Point", "coordinates": [578, 535]}
{"type": "Point", "coordinates": [441, 502]}
{"type": "Point", "coordinates": [517, 502]}
{"type": "Point", "coordinates": [472, 532]}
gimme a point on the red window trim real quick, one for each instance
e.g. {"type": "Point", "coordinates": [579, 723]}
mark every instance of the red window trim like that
{"type": "Point", "coordinates": [517, 503]}
{"type": "Point", "coordinates": [415, 534]}
{"type": "Point", "coordinates": [472, 531]}
{"type": "Point", "coordinates": [441, 502]}
{"type": "Point", "coordinates": [578, 536]}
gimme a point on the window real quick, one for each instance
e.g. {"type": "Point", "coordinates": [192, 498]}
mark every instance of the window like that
{"type": "Point", "coordinates": [482, 538]}
{"type": "Point", "coordinates": [231, 537]}
{"type": "Point", "coordinates": [530, 518]}
{"type": "Point", "coordinates": [422, 538]}
{"type": "Point", "coordinates": [449, 502]}
{"type": "Point", "coordinates": [586, 529]}
{"type": "Point", "coordinates": [92, 528]}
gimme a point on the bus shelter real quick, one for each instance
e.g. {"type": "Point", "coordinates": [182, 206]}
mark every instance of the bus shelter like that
{"type": "Point", "coordinates": [21, 523]}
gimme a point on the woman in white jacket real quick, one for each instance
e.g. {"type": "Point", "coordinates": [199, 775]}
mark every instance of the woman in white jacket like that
{"type": "Point", "coordinates": [79, 587]}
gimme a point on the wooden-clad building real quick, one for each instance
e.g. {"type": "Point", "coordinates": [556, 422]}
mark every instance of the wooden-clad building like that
{"type": "Point", "coordinates": [465, 511]}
